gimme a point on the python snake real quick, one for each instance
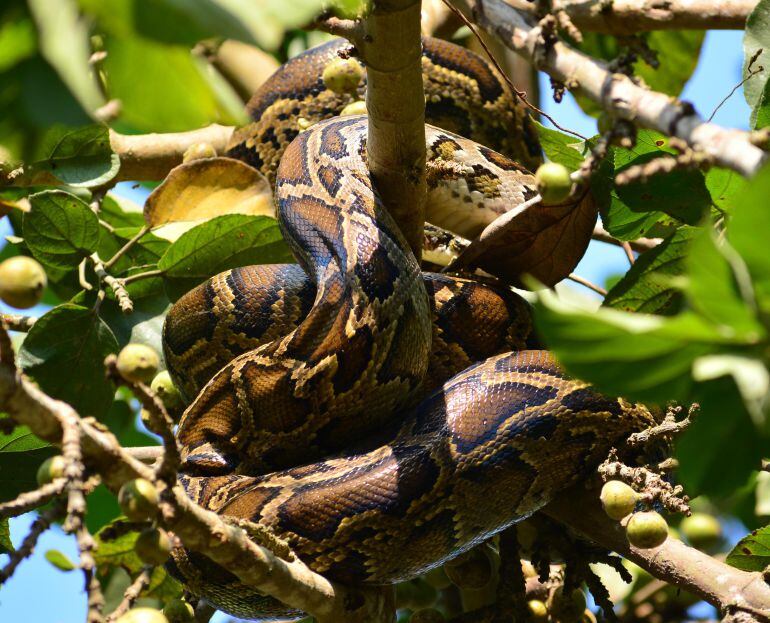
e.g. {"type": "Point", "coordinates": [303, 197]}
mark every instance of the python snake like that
{"type": "Point", "coordinates": [352, 405]}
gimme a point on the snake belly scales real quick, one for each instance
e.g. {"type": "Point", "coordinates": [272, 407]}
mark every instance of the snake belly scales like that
{"type": "Point", "coordinates": [350, 404]}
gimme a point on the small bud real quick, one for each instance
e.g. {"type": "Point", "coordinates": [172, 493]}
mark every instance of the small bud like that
{"type": "Point", "coordinates": [701, 530]}
{"type": "Point", "coordinates": [354, 108]}
{"type": "Point", "coordinates": [165, 389]}
{"type": "Point", "coordinates": [143, 615]}
{"type": "Point", "coordinates": [538, 610]}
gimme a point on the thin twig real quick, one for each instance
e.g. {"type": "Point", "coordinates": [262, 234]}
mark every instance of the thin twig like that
{"type": "Point", "coordinates": [629, 252]}
{"type": "Point", "coordinates": [126, 247]}
{"type": "Point", "coordinates": [30, 500]}
{"type": "Point", "coordinates": [40, 525]}
{"type": "Point", "coordinates": [18, 322]}
{"type": "Point", "coordinates": [118, 286]}
{"type": "Point", "coordinates": [132, 593]}
{"type": "Point", "coordinates": [640, 245]}
{"type": "Point", "coordinates": [139, 276]}
{"type": "Point", "coordinates": [751, 73]}
{"type": "Point", "coordinates": [504, 74]}
{"type": "Point", "coordinates": [584, 282]}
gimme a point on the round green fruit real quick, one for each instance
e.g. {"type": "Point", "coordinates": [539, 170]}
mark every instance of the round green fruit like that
{"type": "Point", "coordinates": [646, 530]}
{"type": "Point", "coordinates": [427, 615]}
{"type": "Point", "coordinates": [165, 389]}
{"type": "Point", "coordinates": [567, 607]}
{"type": "Point", "coordinates": [618, 499]}
{"type": "Point", "coordinates": [153, 546]}
{"type": "Point", "coordinates": [701, 530]}
{"type": "Point", "coordinates": [343, 75]}
{"type": "Point", "coordinates": [143, 615]}
{"type": "Point", "coordinates": [138, 500]}
{"type": "Point", "coordinates": [138, 363]}
{"type": "Point", "coordinates": [198, 151]}
{"type": "Point", "coordinates": [553, 182]}
{"type": "Point", "coordinates": [51, 469]}
{"type": "Point", "coordinates": [179, 611]}
{"type": "Point", "coordinates": [22, 281]}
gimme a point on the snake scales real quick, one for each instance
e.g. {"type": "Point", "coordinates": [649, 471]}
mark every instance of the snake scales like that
{"type": "Point", "coordinates": [351, 404]}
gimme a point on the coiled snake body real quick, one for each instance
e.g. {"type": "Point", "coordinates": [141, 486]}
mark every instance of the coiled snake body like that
{"type": "Point", "coordinates": [330, 417]}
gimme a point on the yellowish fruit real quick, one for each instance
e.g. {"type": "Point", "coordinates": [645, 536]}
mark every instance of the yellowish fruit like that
{"type": "Point", "coordinates": [22, 281]}
{"type": "Point", "coordinates": [343, 75]}
{"type": "Point", "coordinates": [553, 182]}
{"type": "Point", "coordinates": [701, 530]}
{"type": "Point", "coordinates": [138, 500]}
{"type": "Point", "coordinates": [646, 530]}
{"type": "Point", "coordinates": [567, 608]}
{"type": "Point", "coordinates": [354, 108]}
{"type": "Point", "coordinates": [538, 610]}
{"type": "Point", "coordinates": [618, 499]}
{"type": "Point", "coordinates": [197, 151]}
{"type": "Point", "coordinates": [165, 389]}
{"type": "Point", "coordinates": [51, 469]}
{"type": "Point", "coordinates": [153, 546]}
{"type": "Point", "coordinates": [138, 363]}
{"type": "Point", "coordinates": [143, 615]}
{"type": "Point", "coordinates": [179, 611]}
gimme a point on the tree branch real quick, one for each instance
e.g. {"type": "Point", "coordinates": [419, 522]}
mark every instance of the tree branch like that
{"type": "Point", "coordinates": [391, 47]}
{"type": "Point", "coordinates": [725, 587]}
{"type": "Point", "coordinates": [617, 93]}
{"type": "Point", "coordinates": [628, 17]}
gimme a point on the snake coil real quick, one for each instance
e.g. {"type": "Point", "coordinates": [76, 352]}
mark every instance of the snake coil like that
{"type": "Point", "coordinates": [352, 405]}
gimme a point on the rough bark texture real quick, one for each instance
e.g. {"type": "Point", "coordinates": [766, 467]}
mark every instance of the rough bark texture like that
{"type": "Point", "coordinates": [616, 92]}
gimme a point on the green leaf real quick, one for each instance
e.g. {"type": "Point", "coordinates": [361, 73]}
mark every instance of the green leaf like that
{"type": "Point", "coordinates": [160, 87]}
{"type": "Point", "coordinates": [632, 210]}
{"type": "Point", "coordinates": [756, 37]}
{"type": "Point", "coordinates": [722, 428]}
{"type": "Point", "coordinates": [18, 471]}
{"type": "Point", "coordinates": [64, 42]}
{"type": "Point", "coordinates": [6, 546]}
{"type": "Point", "coordinates": [60, 560]}
{"type": "Point", "coordinates": [60, 229]}
{"type": "Point", "coordinates": [82, 157]}
{"type": "Point", "coordinates": [143, 326]}
{"type": "Point", "coordinates": [64, 352]}
{"type": "Point", "coordinates": [21, 439]}
{"type": "Point", "coordinates": [115, 548]}
{"type": "Point", "coordinates": [724, 186]}
{"type": "Point", "coordinates": [678, 51]}
{"type": "Point", "coordinates": [714, 290]}
{"type": "Point", "coordinates": [562, 148]}
{"type": "Point", "coordinates": [642, 357]}
{"type": "Point", "coordinates": [650, 284]}
{"type": "Point", "coordinates": [221, 243]}
{"type": "Point", "coordinates": [143, 256]}
{"type": "Point", "coordinates": [17, 39]}
{"type": "Point", "coordinates": [745, 233]}
{"type": "Point", "coordinates": [752, 553]}
{"type": "Point", "coordinates": [120, 212]}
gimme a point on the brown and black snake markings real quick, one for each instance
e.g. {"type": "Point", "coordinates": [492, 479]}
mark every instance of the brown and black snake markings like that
{"type": "Point", "coordinates": [351, 404]}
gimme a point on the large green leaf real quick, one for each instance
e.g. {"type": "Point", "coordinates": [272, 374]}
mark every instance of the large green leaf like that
{"type": "Point", "coordinates": [60, 229]}
{"type": "Point", "coordinates": [650, 284]}
{"type": "Point", "coordinates": [221, 243]}
{"type": "Point", "coordinates": [678, 51]}
{"type": "Point", "coordinates": [21, 439]}
{"type": "Point", "coordinates": [756, 38]}
{"type": "Point", "coordinates": [643, 357]}
{"type": "Point", "coordinates": [752, 553]}
{"type": "Point", "coordinates": [747, 233]}
{"type": "Point", "coordinates": [82, 157]}
{"type": "Point", "coordinates": [632, 210]}
{"type": "Point", "coordinates": [64, 352]}
{"type": "Point", "coordinates": [562, 148]}
{"type": "Point", "coordinates": [64, 42]}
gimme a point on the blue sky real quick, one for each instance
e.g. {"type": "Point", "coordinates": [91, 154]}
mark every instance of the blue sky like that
{"type": "Point", "coordinates": [41, 594]}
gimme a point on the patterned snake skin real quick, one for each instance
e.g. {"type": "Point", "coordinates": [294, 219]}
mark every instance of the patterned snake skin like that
{"type": "Point", "coordinates": [352, 405]}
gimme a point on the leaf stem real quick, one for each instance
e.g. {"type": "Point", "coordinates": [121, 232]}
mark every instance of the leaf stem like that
{"type": "Point", "coordinates": [139, 276]}
{"type": "Point", "coordinates": [126, 247]}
